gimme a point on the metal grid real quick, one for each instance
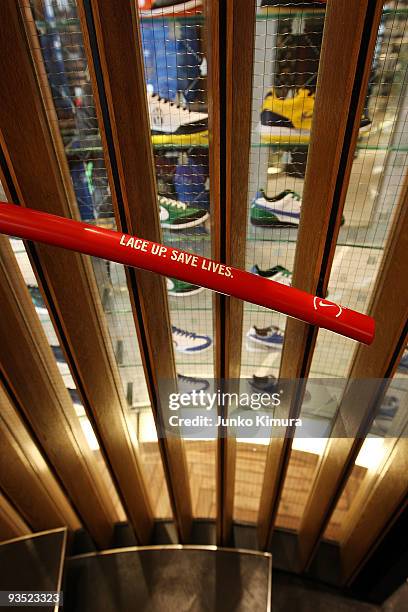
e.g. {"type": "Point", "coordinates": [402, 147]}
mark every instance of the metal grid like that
{"type": "Point", "coordinates": [60, 40]}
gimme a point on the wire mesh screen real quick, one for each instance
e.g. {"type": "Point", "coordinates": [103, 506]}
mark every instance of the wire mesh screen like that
{"type": "Point", "coordinates": [287, 50]}
{"type": "Point", "coordinates": [379, 170]}
{"type": "Point", "coordinates": [56, 33]}
{"type": "Point", "coordinates": [174, 49]}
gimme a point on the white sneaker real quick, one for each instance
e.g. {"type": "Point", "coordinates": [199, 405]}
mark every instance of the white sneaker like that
{"type": "Point", "coordinates": [280, 210]}
{"type": "Point", "coordinates": [189, 342]}
{"type": "Point", "coordinates": [178, 215]}
{"type": "Point", "coordinates": [168, 117]}
{"type": "Point", "coordinates": [285, 202]}
{"type": "Point", "coordinates": [161, 8]}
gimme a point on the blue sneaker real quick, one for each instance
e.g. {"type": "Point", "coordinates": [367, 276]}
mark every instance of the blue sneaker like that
{"type": "Point", "coordinates": [282, 210]}
{"type": "Point", "coordinates": [267, 337]}
{"type": "Point", "coordinates": [189, 342]}
{"type": "Point", "coordinates": [403, 364]}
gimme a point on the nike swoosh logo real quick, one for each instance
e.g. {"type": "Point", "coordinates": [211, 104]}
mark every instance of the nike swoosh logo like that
{"type": "Point", "coordinates": [317, 302]}
{"type": "Point", "coordinates": [164, 214]}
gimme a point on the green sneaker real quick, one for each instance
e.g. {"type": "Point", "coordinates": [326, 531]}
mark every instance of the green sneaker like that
{"type": "Point", "coordinates": [179, 288]}
{"type": "Point", "coordinates": [263, 218]}
{"type": "Point", "coordinates": [177, 215]}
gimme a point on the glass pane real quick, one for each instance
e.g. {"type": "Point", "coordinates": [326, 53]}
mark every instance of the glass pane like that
{"type": "Point", "coordinates": [390, 424]}
{"type": "Point", "coordinates": [378, 172]}
{"type": "Point", "coordinates": [174, 48]}
{"type": "Point", "coordinates": [287, 50]}
{"type": "Point", "coordinates": [59, 37]}
{"type": "Point", "coordinates": [89, 438]}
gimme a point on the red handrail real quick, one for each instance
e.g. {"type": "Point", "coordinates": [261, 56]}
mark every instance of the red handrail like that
{"type": "Point", "coordinates": [141, 253]}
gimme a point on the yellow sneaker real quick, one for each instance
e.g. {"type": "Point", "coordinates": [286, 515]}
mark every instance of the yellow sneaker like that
{"type": "Point", "coordinates": [287, 119]}
{"type": "Point", "coordinates": [290, 119]}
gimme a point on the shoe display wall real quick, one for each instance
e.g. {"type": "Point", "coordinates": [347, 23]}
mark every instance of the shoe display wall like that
{"type": "Point", "coordinates": [287, 49]}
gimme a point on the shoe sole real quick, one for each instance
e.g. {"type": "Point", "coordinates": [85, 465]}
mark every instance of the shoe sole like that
{"type": "Point", "coordinates": [193, 352]}
{"type": "Point", "coordinates": [271, 134]}
{"type": "Point", "coordinates": [186, 225]}
{"type": "Point", "coordinates": [198, 139]}
{"type": "Point", "coordinates": [189, 5]}
{"type": "Point", "coordinates": [281, 224]}
{"type": "Point", "coordinates": [186, 293]}
{"type": "Point", "coordinates": [276, 347]}
{"type": "Point", "coordinates": [365, 129]}
{"type": "Point", "coordinates": [282, 134]}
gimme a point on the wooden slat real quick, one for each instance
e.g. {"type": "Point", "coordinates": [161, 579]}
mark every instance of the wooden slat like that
{"type": "Point", "coordinates": [230, 98]}
{"type": "Point", "coordinates": [40, 180]}
{"type": "Point", "coordinates": [29, 370]}
{"type": "Point", "coordinates": [11, 523]}
{"type": "Point", "coordinates": [371, 364]}
{"type": "Point", "coordinates": [213, 55]}
{"type": "Point", "coordinates": [384, 500]}
{"type": "Point", "coordinates": [26, 477]}
{"type": "Point", "coordinates": [349, 38]}
{"type": "Point", "coordinates": [128, 152]}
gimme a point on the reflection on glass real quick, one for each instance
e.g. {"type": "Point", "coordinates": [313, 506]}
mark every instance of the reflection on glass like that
{"type": "Point", "coordinates": [59, 36]}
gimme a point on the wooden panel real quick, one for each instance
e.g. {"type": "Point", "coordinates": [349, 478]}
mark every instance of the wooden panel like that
{"type": "Point", "coordinates": [232, 93]}
{"type": "Point", "coordinates": [389, 307]}
{"type": "Point", "coordinates": [349, 37]}
{"type": "Point", "coordinates": [129, 157]}
{"type": "Point", "coordinates": [31, 373]}
{"type": "Point", "coordinates": [67, 281]}
{"type": "Point", "coordinates": [26, 477]}
{"type": "Point", "coordinates": [11, 523]}
{"type": "Point", "coordinates": [383, 501]}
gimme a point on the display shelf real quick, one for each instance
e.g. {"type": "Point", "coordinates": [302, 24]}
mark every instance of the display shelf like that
{"type": "Point", "coordinates": [76, 152]}
{"type": "Point", "coordinates": [263, 14]}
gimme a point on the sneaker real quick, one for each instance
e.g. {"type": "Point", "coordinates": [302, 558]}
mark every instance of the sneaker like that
{"type": "Point", "coordinates": [293, 4]}
{"type": "Point", "coordinates": [269, 337]}
{"type": "Point", "coordinates": [279, 274]}
{"type": "Point", "coordinates": [188, 384]}
{"type": "Point", "coordinates": [161, 8]}
{"type": "Point", "coordinates": [60, 359]}
{"type": "Point", "coordinates": [282, 210]}
{"type": "Point", "coordinates": [403, 364]}
{"type": "Point", "coordinates": [290, 119]}
{"type": "Point", "coordinates": [287, 118]}
{"type": "Point", "coordinates": [365, 122]}
{"type": "Point", "coordinates": [178, 288]}
{"type": "Point", "coordinates": [171, 123]}
{"type": "Point", "coordinates": [388, 408]}
{"type": "Point", "coordinates": [177, 215]}
{"type": "Point", "coordinates": [189, 342]}
{"type": "Point", "coordinates": [263, 384]}
{"type": "Point", "coordinates": [38, 302]}
{"type": "Point", "coordinates": [75, 397]}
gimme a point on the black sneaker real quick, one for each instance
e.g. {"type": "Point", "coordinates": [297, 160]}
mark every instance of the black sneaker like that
{"type": "Point", "coordinates": [288, 4]}
{"type": "Point", "coordinates": [263, 384]}
{"type": "Point", "coordinates": [188, 384]}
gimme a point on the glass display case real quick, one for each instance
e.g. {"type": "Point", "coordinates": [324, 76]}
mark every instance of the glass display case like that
{"type": "Point", "coordinates": [188, 100]}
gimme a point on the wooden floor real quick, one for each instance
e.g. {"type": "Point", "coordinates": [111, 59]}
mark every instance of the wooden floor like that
{"type": "Point", "coordinates": [249, 478]}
